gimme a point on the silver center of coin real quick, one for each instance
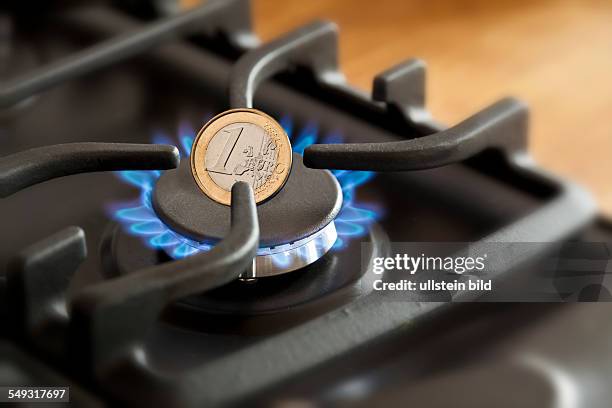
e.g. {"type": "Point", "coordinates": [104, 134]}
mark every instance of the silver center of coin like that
{"type": "Point", "coordinates": [241, 152]}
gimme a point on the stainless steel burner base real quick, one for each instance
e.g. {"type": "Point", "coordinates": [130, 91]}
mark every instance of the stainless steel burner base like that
{"type": "Point", "coordinates": [290, 257]}
{"type": "Point", "coordinates": [336, 278]}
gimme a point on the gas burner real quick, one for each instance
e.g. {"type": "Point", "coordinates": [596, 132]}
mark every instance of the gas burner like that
{"type": "Point", "coordinates": [296, 225]}
{"type": "Point", "coordinates": [318, 206]}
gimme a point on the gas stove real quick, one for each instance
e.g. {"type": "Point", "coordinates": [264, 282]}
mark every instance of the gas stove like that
{"type": "Point", "coordinates": [131, 287]}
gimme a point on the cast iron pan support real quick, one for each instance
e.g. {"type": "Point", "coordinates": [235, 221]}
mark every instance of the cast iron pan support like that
{"type": "Point", "coordinates": [37, 281]}
{"type": "Point", "coordinates": [228, 17]}
{"type": "Point", "coordinates": [109, 320]}
{"type": "Point", "coordinates": [102, 321]}
{"type": "Point", "coordinates": [38, 277]}
{"type": "Point", "coordinates": [314, 46]}
{"type": "Point", "coordinates": [29, 167]}
{"type": "Point", "coordinates": [401, 90]}
{"type": "Point", "coordinates": [501, 125]}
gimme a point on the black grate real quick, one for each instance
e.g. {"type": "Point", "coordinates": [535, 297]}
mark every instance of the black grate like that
{"type": "Point", "coordinates": [100, 334]}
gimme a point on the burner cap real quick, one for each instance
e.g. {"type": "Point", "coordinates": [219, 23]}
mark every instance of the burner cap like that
{"type": "Point", "coordinates": [296, 224]}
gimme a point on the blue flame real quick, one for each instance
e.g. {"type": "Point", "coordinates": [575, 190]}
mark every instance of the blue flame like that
{"type": "Point", "coordinates": [140, 218]}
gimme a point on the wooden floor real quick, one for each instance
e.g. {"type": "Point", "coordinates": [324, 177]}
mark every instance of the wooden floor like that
{"type": "Point", "coordinates": [556, 55]}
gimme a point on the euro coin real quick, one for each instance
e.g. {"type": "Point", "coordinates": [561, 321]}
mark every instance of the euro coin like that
{"type": "Point", "coordinates": [241, 145]}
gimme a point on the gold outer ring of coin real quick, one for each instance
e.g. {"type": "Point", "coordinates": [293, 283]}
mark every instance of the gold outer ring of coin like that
{"type": "Point", "coordinates": [210, 129]}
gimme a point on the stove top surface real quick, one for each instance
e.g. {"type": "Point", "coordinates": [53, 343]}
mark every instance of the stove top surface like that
{"type": "Point", "coordinates": [314, 334]}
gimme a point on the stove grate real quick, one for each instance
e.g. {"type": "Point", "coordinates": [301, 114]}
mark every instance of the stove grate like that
{"type": "Point", "coordinates": [105, 325]}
